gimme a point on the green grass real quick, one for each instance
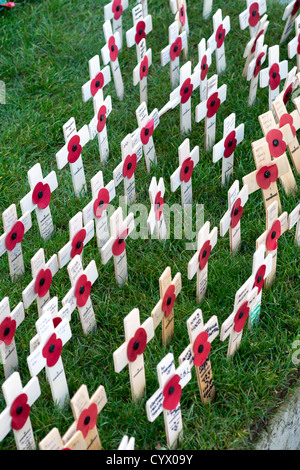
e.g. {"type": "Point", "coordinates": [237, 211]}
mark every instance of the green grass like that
{"type": "Point", "coordinates": [45, 48]}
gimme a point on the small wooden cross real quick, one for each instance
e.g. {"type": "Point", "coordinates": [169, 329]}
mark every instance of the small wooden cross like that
{"type": "Point", "coordinates": [294, 44]}
{"type": "Point", "coordinates": [232, 136]}
{"type": "Point", "coordinates": [216, 42]}
{"type": "Point", "coordinates": [232, 219]}
{"type": "Point", "coordinates": [71, 153]}
{"type": "Point", "coordinates": [261, 268]}
{"type": "Point", "coordinates": [251, 16]}
{"type": "Point", "coordinates": [9, 322]}
{"type": "Point", "coordinates": [171, 53]}
{"type": "Point", "coordinates": [116, 246]}
{"type": "Point", "coordinates": [131, 352]}
{"type": "Point", "coordinates": [54, 441]}
{"type": "Point", "coordinates": [142, 26]}
{"type": "Point", "coordinates": [294, 219]}
{"type": "Point", "coordinates": [182, 19]}
{"type": "Point", "coordinates": [289, 15]}
{"type": "Point", "coordinates": [79, 237]}
{"type": "Point", "coordinates": [10, 241]}
{"type": "Point", "coordinates": [206, 241]}
{"type": "Point", "coordinates": [163, 312]}
{"type": "Point", "coordinates": [98, 79]}
{"type": "Point", "coordinates": [156, 219]}
{"type": "Point", "coordinates": [252, 44]}
{"type": "Point", "coordinates": [204, 62]}
{"type": "Point", "coordinates": [207, 8]}
{"type": "Point", "coordinates": [42, 273]}
{"type": "Point", "coordinates": [167, 398]}
{"type": "Point", "coordinates": [197, 352]}
{"type": "Point", "coordinates": [208, 109]}
{"type": "Point", "coordinates": [183, 175]}
{"type": "Point", "coordinates": [45, 353]}
{"type": "Point", "coordinates": [254, 67]}
{"type": "Point", "coordinates": [96, 209]}
{"type": "Point", "coordinates": [114, 11]}
{"type": "Point", "coordinates": [147, 124]}
{"type": "Point", "coordinates": [140, 72]}
{"type": "Point", "coordinates": [97, 126]}
{"type": "Point", "coordinates": [127, 443]}
{"type": "Point", "coordinates": [110, 54]}
{"type": "Point", "coordinates": [57, 316]}
{"type": "Point", "coordinates": [16, 415]}
{"type": "Point", "coordinates": [39, 197]}
{"type": "Point", "coordinates": [275, 227]}
{"type": "Point", "coordinates": [273, 74]}
{"type": "Point", "coordinates": [234, 325]}
{"type": "Point", "coordinates": [79, 294]}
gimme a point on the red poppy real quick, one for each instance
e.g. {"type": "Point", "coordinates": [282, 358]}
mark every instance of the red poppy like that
{"type": "Point", "coordinates": [186, 90]}
{"type": "Point", "coordinates": [147, 132]}
{"type": "Point", "coordinates": [258, 64]}
{"type": "Point", "coordinates": [41, 195]}
{"type": "Point", "coordinates": [213, 103]}
{"type": "Point", "coordinates": [113, 49]}
{"type": "Point", "coordinates": [87, 419]}
{"type": "Point", "coordinates": [144, 68]}
{"type": "Point", "coordinates": [201, 349]}
{"type": "Point", "coordinates": [230, 144]}
{"type": "Point", "coordinates": [254, 15]}
{"type": "Point", "coordinates": [204, 67]}
{"type": "Point", "coordinates": [117, 9]}
{"type": "Point", "coordinates": [19, 412]}
{"type": "Point", "coordinates": [186, 170]}
{"type": "Point", "coordinates": [77, 243]}
{"type": "Point", "coordinates": [101, 203]}
{"type": "Point", "coordinates": [176, 48]}
{"type": "Point", "coordinates": [56, 321]}
{"type": "Point", "coordinates": [74, 149]}
{"type": "Point", "coordinates": [182, 15]}
{"type": "Point", "coordinates": [15, 236]}
{"type": "Point", "coordinates": [172, 393]}
{"type": "Point", "coordinates": [259, 278]}
{"type": "Point", "coordinates": [287, 119]}
{"type": "Point", "coordinates": [204, 254]}
{"type": "Point", "coordinates": [288, 92]}
{"type": "Point", "coordinates": [274, 76]}
{"type": "Point", "coordinates": [101, 118]}
{"type": "Point", "coordinates": [82, 290]}
{"type": "Point", "coordinates": [159, 205]}
{"type": "Point", "coordinates": [7, 330]}
{"type": "Point", "coordinates": [256, 39]}
{"type": "Point", "coordinates": [52, 350]}
{"type": "Point", "coordinates": [97, 83]}
{"type": "Point", "coordinates": [129, 165]}
{"type": "Point", "coordinates": [140, 32]}
{"type": "Point", "coordinates": [43, 282]}
{"type": "Point", "coordinates": [241, 317]}
{"type": "Point", "coordinates": [273, 236]}
{"type": "Point", "coordinates": [168, 300]}
{"type": "Point", "coordinates": [277, 145]}
{"type": "Point", "coordinates": [266, 175]}
{"type": "Point", "coordinates": [296, 7]}
{"type": "Point", "coordinates": [220, 36]}
{"type": "Point", "coordinates": [137, 344]}
{"type": "Point", "coordinates": [236, 213]}
{"type": "Point", "coordinates": [119, 244]}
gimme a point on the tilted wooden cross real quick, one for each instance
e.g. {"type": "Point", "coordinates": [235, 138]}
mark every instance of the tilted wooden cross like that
{"type": "Point", "coordinates": [142, 26]}
{"type": "Point", "coordinates": [140, 72]}
{"type": "Point", "coordinates": [54, 441]}
{"type": "Point", "coordinates": [273, 74]}
{"type": "Point", "coordinates": [294, 219]}
{"type": "Point", "coordinates": [251, 16]}
{"type": "Point", "coordinates": [204, 62]}
{"type": "Point", "coordinates": [261, 268]}
{"type": "Point", "coordinates": [216, 42]}
{"type": "Point", "coordinates": [110, 54]}
{"type": "Point", "coordinates": [183, 175]}
{"type": "Point", "coordinates": [294, 44]}
{"type": "Point", "coordinates": [289, 15]}
{"type": "Point", "coordinates": [146, 126]}
{"type": "Point", "coordinates": [250, 48]}
{"type": "Point", "coordinates": [156, 219]}
{"type": "Point", "coordinates": [114, 11]}
{"type": "Point", "coordinates": [97, 126]}
{"type": "Point", "coordinates": [254, 67]}
{"type": "Point", "coordinates": [171, 53]}
{"type": "Point", "coordinates": [98, 79]}
{"type": "Point", "coordinates": [9, 322]}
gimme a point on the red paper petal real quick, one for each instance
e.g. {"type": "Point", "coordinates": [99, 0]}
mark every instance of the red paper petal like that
{"type": "Point", "coordinates": [159, 205]}
{"type": "Point", "coordinates": [168, 301]}
{"type": "Point", "coordinates": [201, 349]}
{"type": "Point", "coordinates": [97, 83]}
{"type": "Point", "coordinates": [241, 317]}
{"type": "Point", "coordinates": [267, 175]}
{"type": "Point", "coordinates": [254, 15]}
{"type": "Point", "coordinates": [140, 31]}
{"type": "Point", "coordinates": [274, 77]}
{"type": "Point", "coordinates": [256, 39]}
{"type": "Point", "coordinates": [182, 17]}
{"type": "Point", "coordinates": [296, 7]}
{"type": "Point", "coordinates": [82, 290]}
{"type": "Point", "coordinates": [14, 236]}
{"type": "Point", "coordinates": [288, 92]}
{"type": "Point", "coordinates": [186, 170]}
{"type": "Point", "coordinates": [137, 345]}
{"type": "Point", "coordinates": [277, 146]}
{"type": "Point", "coordinates": [147, 132]}
{"type": "Point", "coordinates": [259, 278]}
{"type": "Point", "coordinates": [119, 244]}
{"type": "Point", "coordinates": [52, 350]}
{"type": "Point", "coordinates": [172, 393]}
{"type": "Point", "coordinates": [117, 9]}
{"type": "Point", "coordinates": [113, 49]}
{"type": "Point", "coordinates": [220, 36]}
{"type": "Point", "coordinates": [273, 236]}
{"type": "Point", "coordinates": [19, 412]}
{"type": "Point", "coordinates": [101, 203]}
{"type": "Point", "coordinates": [87, 419]}
{"type": "Point", "coordinates": [186, 90]}
{"type": "Point", "coordinates": [230, 144]}
{"type": "Point", "coordinates": [74, 149]}
{"type": "Point", "coordinates": [213, 104]}
{"type": "Point", "coordinates": [43, 282]}
{"type": "Point", "coordinates": [144, 68]}
{"type": "Point", "coordinates": [78, 243]}
{"type": "Point", "coordinates": [204, 254]}
{"type": "Point", "coordinates": [204, 68]}
{"type": "Point", "coordinates": [129, 166]}
{"type": "Point", "coordinates": [236, 214]}
{"type": "Point", "coordinates": [101, 118]}
{"type": "Point", "coordinates": [7, 330]}
{"type": "Point", "coordinates": [176, 48]}
{"type": "Point", "coordinates": [258, 64]}
{"type": "Point", "coordinates": [287, 119]}
{"type": "Point", "coordinates": [41, 195]}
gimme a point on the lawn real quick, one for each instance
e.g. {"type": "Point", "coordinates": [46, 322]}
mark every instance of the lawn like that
{"type": "Point", "coordinates": [45, 48]}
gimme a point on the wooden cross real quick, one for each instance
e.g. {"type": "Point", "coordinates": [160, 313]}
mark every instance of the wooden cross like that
{"type": "Point", "coordinates": [232, 219]}
{"type": "Point", "coordinates": [206, 241]}
{"type": "Point", "coordinates": [9, 322]}
{"type": "Point", "coordinates": [147, 124]}
{"type": "Point", "coordinates": [39, 197]}
{"type": "Point", "coordinates": [294, 44]}
{"type": "Point", "coordinates": [233, 326]}
{"type": "Point", "coordinates": [171, 53]}
{"type": "Point", "coordinates": [252, 44]}
{"type": "Point", "coordinates": [127, 443]}
{"type": "Point", "coordinates": [114, 11]}
{"type": "Point", "coordinates": [98, 79]}
{"type": "Point", "coordinates": [290, 85]}
{"type": "Point", "coordinates": [163, 311]}
{"type": "Point", "coordinates": [289, 15]}
{"type": "Point", "coordinates": [97, 126]}
{"type": "Point", "coordinates": [207, 8]}
{"type": "Point", "coordinates": [45, 353]}
{"type": "Point", "coordinates": [140, 72]}
{"type": "Point", "coordinates": [232, 136]}
{"type": "Point", "coordinates": [182, 19]}
{"type": "Point", "coordinates": [131, 352]}
{"type": "Point", "coordinates": [96, 209]}
{"type": "Point", "coordinates": [16, 415]}
{"type": "Point", "coordinates": [261, 268]}
{"type": "Point", "coordinates": [126, 169]}
{"type": "Point", "coordinates": [183, 175]}
{"type": "Point", "coordinates": [251, 16]}
{"type": "Point", "coordinates": [54, 441]}
{"type": "Point", "coordinates": [197, 352]}
{"type": "Point", "coordinates": [71, 153]}
{"type": "Point", "coordinates": [10, 241]}
{"type": "Point", "coordinates": [216, 42]}
{"type": "Point", "coordinates": [79, 294]}
{"type": "Point", "coordinates": [156, 219]}
{"type": "Point", "coordinates": [294, 219]}
{"type": "Point", "coordinates": [42, 273]}
{"type": "Point", "coordinates": [273, 74]}
{"type": "Point", "coordinates": [167, 398]}
{"type": "Point", "coordinates": [275, 227]}
{"type": "Point", "coordinates": [208, 109]}
{"type": "Point", "coordinates": [110, 54]}
{"type": "Point", "coordinates": [116, 246]}
{"type": "Point", "coordinates": [254, 67]}
{"type": "Point", "coordinates": [142, 26]}
{"type": "Point", "coordinates": [79, 237]}
{"type": "Point", "coordinates": [204, 62]}
{"type": "Point", "coordinates": [57, 316]}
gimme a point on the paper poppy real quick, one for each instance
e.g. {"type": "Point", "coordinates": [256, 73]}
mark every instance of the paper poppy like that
{"type": "Point", "coordinates": [117, 9]}
{"type": "Point", "coordinates": [74, 149]}
{"type": "Point", "coordinates": [260, 277]}
{"type": "Point", "coordinates": [52, 350]}
{"type": "Point", "coordinates": [119, 244]}
{"type": "Point", "coordinates": [287, 119]}
{"type": "Point", "coordinates": [41, 195]}
{"type": "Point", "coordinates": [97, 83]}
{"type": "Point", "coordinates": [43, 282]}
{"type": "Point", "coordinates": [147, 132]}
{"type": "Point", "coordinates": [258, 64]}
{"type": "Point", "coordinates": [186, 90]}
{"type": "Point", "coordinates": [87, 419]}
{"type": "Point", "coordinates": [15, 236]}
{"type": "Point", "coordinates": [220, 36]}
{"type": "Point", "coordinates": [277, 145]}
{"type": "Point", "coordinates": [213, 103]}
{"type": "Point", "coordinates": [201, 349]}
{"type": "Point", "coordinates": [19, 412]}
{"type": "Point", "coordinates": [56, 321]}
{"type": "Point", "coordinates": [129, 165]}
{"type": "Point", "coordinates": [274, 76]}
{"type": "Point", "coordinates": [256, 39]}
{"type": "Point", "coordinates": [288, 92]}
{"type": "Point", "coordinates": [236, 213]}
{"type": "Point", "coordinates": [137, 345]}
{"type": "Point", "coordinates": [267, 175]}
{"type": "Point", "coordinates": [254, 15]}
{"type": "Point", "coordinates": [82, 290]}
{"type": "Point", "coordinates": [230, 144]}
{"type": "Point", "coordinates": [158, 205]}
{"type": "Point", "coordinates": [182, 17]}
{"type": "Point", "coordinates": [296, 7]}
{"type": "Point", "coordinates": [186, 170]}
{"type": "Point", "coordinates": [101, 118]}
{"type": "Point", "coordinates": [140, 32]}
{"type": "Point", "coordinates": [113, 49]}
{"type": "Point", "coordinates": [78, 243]}
{"type": "Point", "coordinates": [204, 68]}
{"type": "Point", "coordinates": [241, 317]}
{"type": "Point", "coordinates": [144, 67]}
{"type": "Point", "coordinates": [204, 255]}
{"type": "Point", "coordinates": [172, 393]}
{"type": "Point", "coordinates": [7, 330]}
{"type": "Point", "coordinates": [168, 300]}
{"type": "Point", "coordinates": [101, 203]}
{"type": "Point", "coordinates": [176, 48]}
{"type": "Point", "coordinates": [273, 236]}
